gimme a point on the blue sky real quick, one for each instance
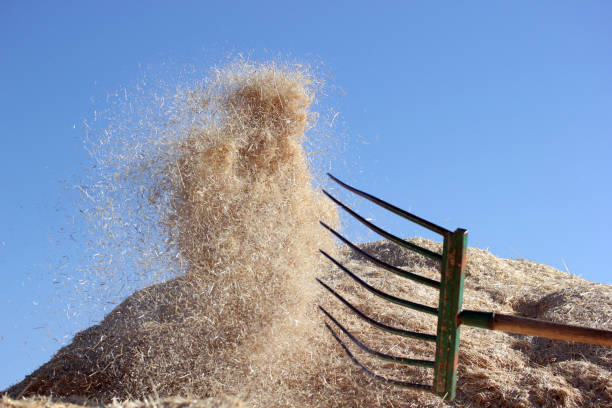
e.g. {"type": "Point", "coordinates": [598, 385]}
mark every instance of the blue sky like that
{"type": "Point", "coordinates": [493, 116]}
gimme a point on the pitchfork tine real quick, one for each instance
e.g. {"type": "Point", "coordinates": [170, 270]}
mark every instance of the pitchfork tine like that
{"type": "Point", "coordinates": [423, 251]}
{"type": "Point", "coordinates": [373, 375]}
{"type": "Point", "coordinates": [383, 327]}
{"type": "Point", "coordinates": [405, 214]}
{"type": "Point", "coordinates": [382, 356]}
{"type": "Point", "coordinates": [381, 294]}
{"type": "Point", "coordinates": [393, 269]}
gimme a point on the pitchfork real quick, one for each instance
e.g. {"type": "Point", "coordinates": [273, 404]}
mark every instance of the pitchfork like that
{"type": "Point", "coordinates": [449, 312]}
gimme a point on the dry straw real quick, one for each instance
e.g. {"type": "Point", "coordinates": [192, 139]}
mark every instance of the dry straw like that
{"type": "Point", "coordinates": [241, 211]}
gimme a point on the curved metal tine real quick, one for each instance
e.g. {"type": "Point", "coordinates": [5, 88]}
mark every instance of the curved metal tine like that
{"type": "Point", "coordinates": [393, 269]}
{"type": "Point", "coordinates": [423, 251]}
{"type": "Point", "coordinates": [383, 327]}
{"type": "Point", "coordinates": [405, 214]}
{"type": "Point", "coordinates": [380, 293]}
{"type": "Point", "coordinates": [403, 384]}
{"type": "Point", "coordinates": [382, 356]}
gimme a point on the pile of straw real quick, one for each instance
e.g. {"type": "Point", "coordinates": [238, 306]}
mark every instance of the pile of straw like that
{"type": "Point", "coordinates": [46, 402]}
{"type": "Point", "coordinates": [495, 369]}
{"type": "Point", "coordinates": [241, 212]}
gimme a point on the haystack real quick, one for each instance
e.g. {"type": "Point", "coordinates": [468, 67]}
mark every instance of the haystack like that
{"type": "Point", "coordinates": [242, 322]}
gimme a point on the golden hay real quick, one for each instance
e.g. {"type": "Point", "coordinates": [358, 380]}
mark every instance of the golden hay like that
{"type": "Point", "coordinates": [242, 214]}
{"type": "Point", "coordinates": [46, 402]}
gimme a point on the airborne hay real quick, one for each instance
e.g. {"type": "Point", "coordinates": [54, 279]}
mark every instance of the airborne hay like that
{"type": "Point", "coordinates": [234, 198]}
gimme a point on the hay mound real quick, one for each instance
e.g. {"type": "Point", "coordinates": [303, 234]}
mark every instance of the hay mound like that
{"type": "Point", "coordinates": [495, 369]}
{"type": "Point", "coordinates": [242, 214]}
{"type": "Point", "coordinates": [46, 402]}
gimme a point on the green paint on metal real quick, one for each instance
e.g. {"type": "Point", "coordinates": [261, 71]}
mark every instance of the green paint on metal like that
{"type": "Point", "coordinates": [451, 298]}
{"type": "Point", "coordinates": [474, 318]}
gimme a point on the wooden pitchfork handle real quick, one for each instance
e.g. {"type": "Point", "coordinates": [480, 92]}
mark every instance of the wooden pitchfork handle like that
{"type": "Point", "coordinates": [534, 327]}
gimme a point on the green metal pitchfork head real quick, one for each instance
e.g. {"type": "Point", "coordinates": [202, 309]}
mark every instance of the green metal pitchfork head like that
{"type": "Point", "coordinates": [449, 312]}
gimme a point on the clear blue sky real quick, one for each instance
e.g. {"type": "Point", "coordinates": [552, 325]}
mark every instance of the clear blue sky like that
{"type": "Point", "coordinates": [493, 116]}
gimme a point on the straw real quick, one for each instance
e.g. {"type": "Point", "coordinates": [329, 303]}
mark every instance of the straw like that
{"type": "Point", "coordinates": [235, 203]}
